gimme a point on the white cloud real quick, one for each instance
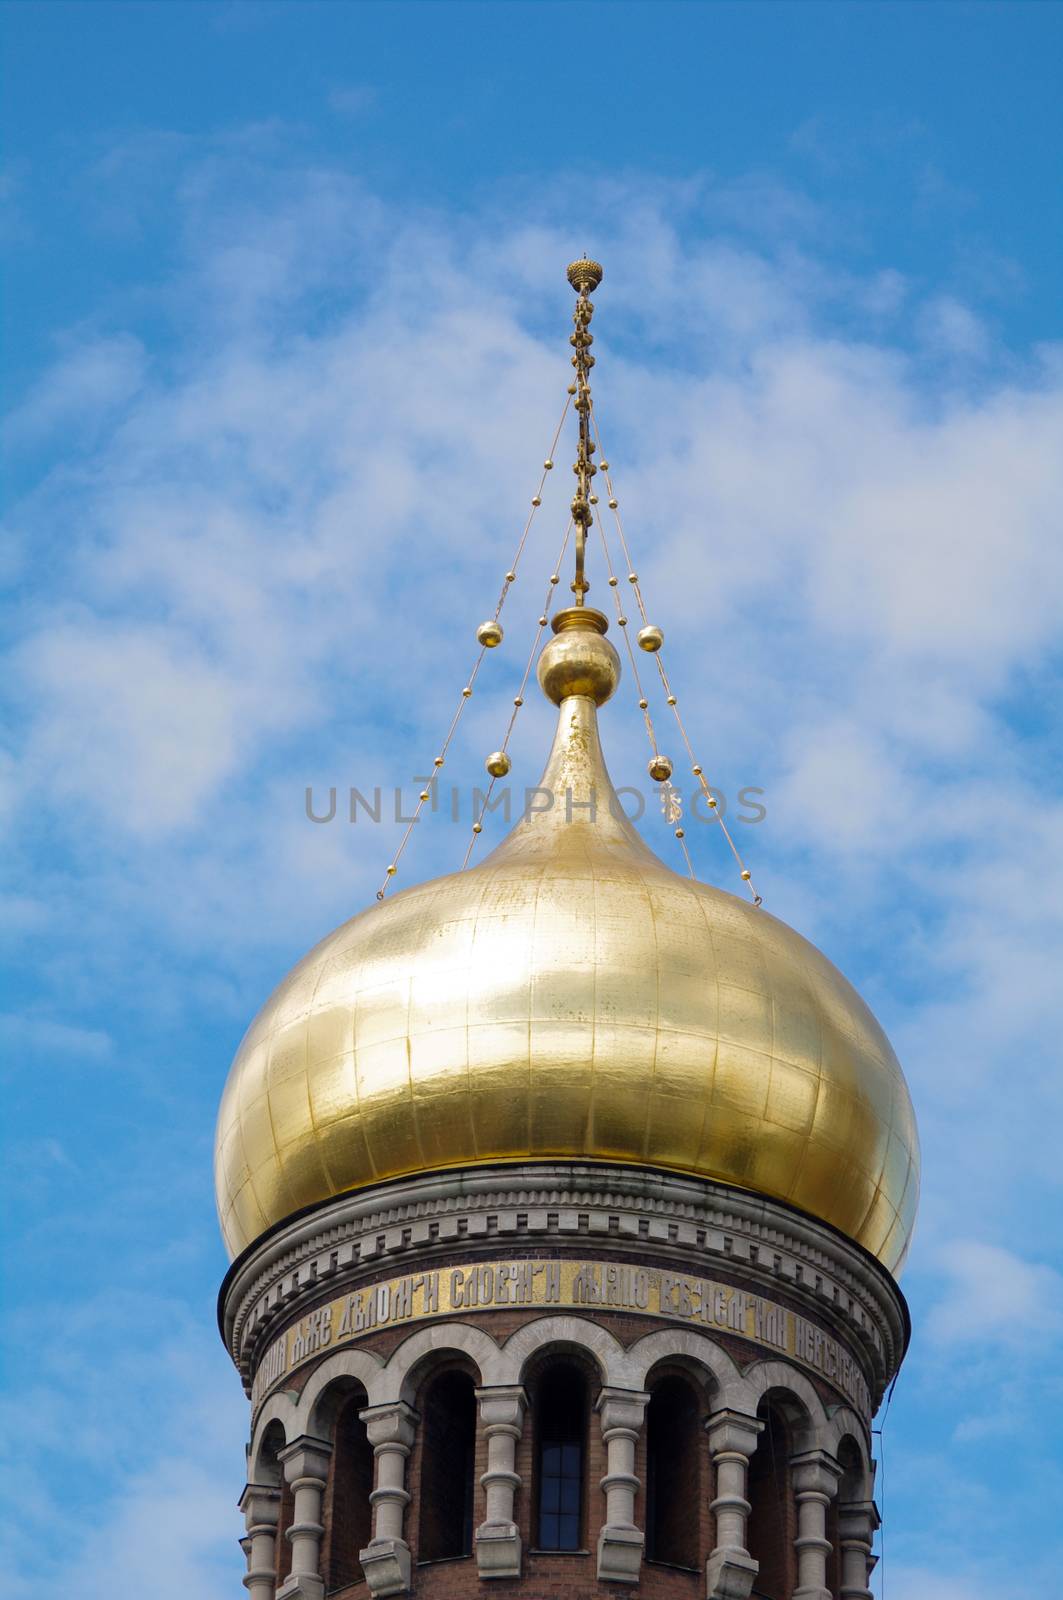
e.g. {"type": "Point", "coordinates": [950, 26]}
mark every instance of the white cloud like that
{"type": "Point", "coordinates": [92, 379]}
{"type": "Point", "coordinates": [20, 1033]}
{"type": "Point", "coordinates": [951, 329]}
{"type": "Point", "coordinates": [142, 1408]}
{"type": "Point", "coordinates": [993, 1295]}
{"type": "Point", "coordinates": [133, 721]}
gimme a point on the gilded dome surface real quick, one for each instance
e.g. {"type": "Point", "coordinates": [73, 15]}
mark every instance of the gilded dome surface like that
{"type": "Point", "coordinates": [570, 997]}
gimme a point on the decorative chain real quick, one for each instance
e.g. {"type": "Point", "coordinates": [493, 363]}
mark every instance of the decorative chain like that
{"type": "Point", "coordinates": [651, 639]}
{"type": "Point", "coordinates": [488, 635]}
{"type": "Point", "coordinates": [498, 763]}
{"type": "Point", "coordinates": [660, 767]}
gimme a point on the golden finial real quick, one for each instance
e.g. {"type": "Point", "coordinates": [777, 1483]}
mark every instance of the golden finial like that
{"type": "Point", "coordinates": [584, 276]}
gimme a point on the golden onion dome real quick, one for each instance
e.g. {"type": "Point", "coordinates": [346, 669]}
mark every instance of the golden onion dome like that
{"type": "Point", "coordinates": [571, 997]}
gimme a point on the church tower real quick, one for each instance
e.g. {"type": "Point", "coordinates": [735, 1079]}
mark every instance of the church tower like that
{"type": "Point", "coordinates": [565, 1195]}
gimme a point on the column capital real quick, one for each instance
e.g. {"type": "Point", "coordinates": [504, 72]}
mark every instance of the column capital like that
{"type": "Point", "coordinates": [305, 1457]}
{"type": "Point", "coordinates": [861, 1516]}
{"type": "Point", "coordinates": [621, 1408]}
{"type": "Point", "coordinates": [857, 1521]}
{"type": "Point", "coordinates": [733, 1431]}
{"type": "Point", "coordinates": [260, 1504]}
{"type": "Point", "coordinates": [394, 1424]}
{"type": "Point", "coordinates": [815, 1472]}
{"type": "Point", "coordinates": [503, 1406]}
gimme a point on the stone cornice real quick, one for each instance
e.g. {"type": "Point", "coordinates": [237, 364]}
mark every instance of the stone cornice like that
{"type": "Point", "coordinates": [703, 1227]}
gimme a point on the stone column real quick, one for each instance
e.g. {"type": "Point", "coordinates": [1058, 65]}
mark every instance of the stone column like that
{"type": "Point", "coordinates": [730, 1569]}
{"type": "Point", "coordinates": [620, 1543]}
{"type": "Point", "coordinates": [816, 1477]}
{"type": "Point", "coordinates": [857, 1521]}
{"type": "Point", "coordinates": [261, 1506]}
{"type": "Point", "coordinates": [498, 1537]}
{"type": "Point", "coordinates": [306, 1469]}
{"type": "Point", "coordinates": [386, 1558]}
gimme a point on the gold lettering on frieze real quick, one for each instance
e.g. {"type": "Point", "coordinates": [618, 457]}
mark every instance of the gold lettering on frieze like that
{"type": "Point", "coordinates": [575, 1285]}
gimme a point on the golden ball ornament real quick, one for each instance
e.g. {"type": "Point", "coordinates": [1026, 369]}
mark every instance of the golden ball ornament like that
{"type": "Point", "coordinates": [489, 634]}
{"type": "Point", "coordinates": [498, 764]}
{"type": "Point", "coordinates": [579, 660]}
{"type": "Point", "coordinates": [650, 638]}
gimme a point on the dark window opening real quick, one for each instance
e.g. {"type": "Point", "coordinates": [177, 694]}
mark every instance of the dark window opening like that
{"type": "Point", "coordinates": [351, 1518]}
{"type": "Point", "coordinates": [851, 1487]}
{"type": "Point", "coordinates": [562, 1407]}
{"type": "Point", "coordinates": [448, 1462]}
{"type": "Point", "coordinates": [672, 1487]}
{"type": "Point", "coordinates": [771, 1517]}
{"type": "Point", "coordinates": [271, 1472]}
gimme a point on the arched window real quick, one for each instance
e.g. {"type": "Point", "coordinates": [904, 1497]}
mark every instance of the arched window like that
{"type": "Point", "coordinates": [561, 1422]}
{"type": "Point", "coordinates": [851, 1488]}
{"type": "Point", "coordinates": [448, 1454]}
{"type": "Point", "coordinates": [772, 1517]}
{"type": "Point", "coordinates": [269, 1470]}
{"type": "Point", "coordinates": [672, 1463]}
{"type": "Point", "coordinates": [350, 1512]}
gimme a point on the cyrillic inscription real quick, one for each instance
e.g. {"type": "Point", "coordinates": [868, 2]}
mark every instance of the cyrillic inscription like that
{"type": "Point", "coordinates": [603, 1285]}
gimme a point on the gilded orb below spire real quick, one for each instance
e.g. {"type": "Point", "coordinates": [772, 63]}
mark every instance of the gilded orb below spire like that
{"type": "Point", "coordinates": [579, 660]}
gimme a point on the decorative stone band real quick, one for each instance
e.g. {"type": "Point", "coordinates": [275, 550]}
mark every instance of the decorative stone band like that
{"type": "Point", "coordinates": [539, 1210]}
{"type": "Point", "coordinates": [604, 1285]}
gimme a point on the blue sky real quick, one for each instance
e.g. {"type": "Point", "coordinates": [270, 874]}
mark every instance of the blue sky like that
{"type": "Point", "coordinates": [285, 342]}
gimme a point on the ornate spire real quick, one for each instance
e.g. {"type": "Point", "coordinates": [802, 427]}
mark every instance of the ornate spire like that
{"type": "Point", "coordinates": [584, 276]}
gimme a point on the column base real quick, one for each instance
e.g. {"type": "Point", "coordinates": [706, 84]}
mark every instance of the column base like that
{"type": "Point", "coordinates": [619, 1554]}
{"type": "Point", "coordinates": [386, 1564]}
{"type": "Point", "coordinates": [302, 1586]}
{"type": "Point", "coordinates": [260, 1581]}
{"type": "Point", "coordinates": [812, 1591]}
{"type": "Point", "coordinates": [498, 1550]}
{"type": "Point", "coordinates": [729, 1575]}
